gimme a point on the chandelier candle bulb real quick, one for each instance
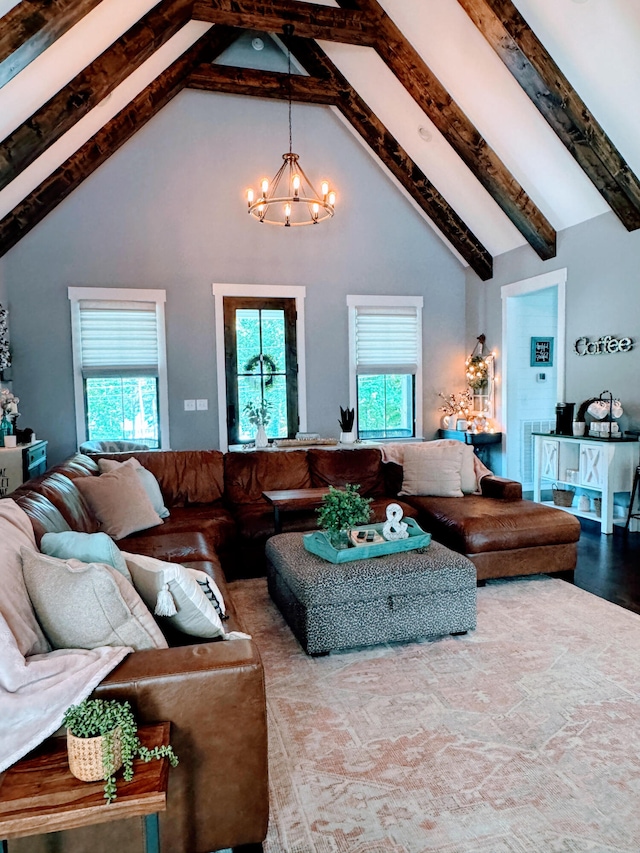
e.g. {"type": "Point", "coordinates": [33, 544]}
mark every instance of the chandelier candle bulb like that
{"type": "Point", "coordinates": [265, 186]}
{"type": "Point", "coordinates": [325, 188]}
{"type": "Point", "coordinates": [249, 197]}
{"type": "Point", "coordinates": [332, 198]}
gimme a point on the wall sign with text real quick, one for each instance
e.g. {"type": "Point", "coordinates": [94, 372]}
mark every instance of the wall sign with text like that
{"type": "Point", "coordinates": [604, 345]}
{"type": "Point", "coordinates": [541, 352]}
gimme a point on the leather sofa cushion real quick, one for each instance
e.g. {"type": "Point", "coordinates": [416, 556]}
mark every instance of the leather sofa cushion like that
{"type": "Point", "coordinates": [256, 521]}
{"type": "Point", "coordinates": [379, 509]}
{"type": "Point", "coordinates": [475, 524]}
{"type": "Point", "coordinates": [66, 497]}
{"type": "Point", "coordinates": [76, 466]}
{"type": "Point", "coordinates": [248, 474]}
{"type": "Point", "coordinates": [44, 516]}
{"type": "Point", "coordinates": [362, 467]}
{"type": "Point", "coordinates": [185, 476]}
{"type": "Point", "coordinates": [173, 547]}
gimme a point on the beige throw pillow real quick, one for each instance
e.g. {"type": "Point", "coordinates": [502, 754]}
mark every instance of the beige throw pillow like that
{"type": "Point", "coordinates": [148, 480]}
{"type": "Point", "coordinates": [119, 502]}
{"type": "Point", "coordinates": [87, 605]}
{"type": "Point", "coordinates": [431, 468]}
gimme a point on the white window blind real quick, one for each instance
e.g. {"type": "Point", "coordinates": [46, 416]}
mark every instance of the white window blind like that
{"type": "Point", "coordinates": [387, 339]}
{"type": "Point", "coordinates": [118, 338]}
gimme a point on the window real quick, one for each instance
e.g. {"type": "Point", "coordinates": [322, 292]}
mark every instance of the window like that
{"type": "Point", "coordinates": [385, 343]}
{"type": "Point", "coordinates": [259, 361]}
{"type": "Point", "coordinates": [119, 365]}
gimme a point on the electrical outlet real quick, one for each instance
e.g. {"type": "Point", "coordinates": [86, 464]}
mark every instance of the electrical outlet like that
{"type": "Point", "coordinates": [189, 405]}
{"type": "Point", "coordinates": [202, 405]}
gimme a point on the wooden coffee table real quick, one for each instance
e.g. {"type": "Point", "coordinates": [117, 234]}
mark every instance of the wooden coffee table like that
{"type": "Point", "coordinates": [288, 500]}
{"type": "Point", "coordinates": [39, 794]}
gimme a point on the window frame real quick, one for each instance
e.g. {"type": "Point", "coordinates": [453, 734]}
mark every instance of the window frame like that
{"type": "Point", "coordinates": [374, 301]}
{"type": "Point", "coordinates": [265, 292]}
{"type": "Point", "coordinates": [119, 295]}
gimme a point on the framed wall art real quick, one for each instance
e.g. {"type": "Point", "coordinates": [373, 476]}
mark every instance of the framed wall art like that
{"type": "Point", "coordinates": [541, 352]}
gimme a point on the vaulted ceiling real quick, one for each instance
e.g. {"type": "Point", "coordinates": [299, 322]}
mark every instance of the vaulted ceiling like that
{"type": "Point", "coordinates": [503, 121]}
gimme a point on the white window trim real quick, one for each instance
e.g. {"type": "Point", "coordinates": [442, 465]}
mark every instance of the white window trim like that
{"type": "Point", "coordinates": [119, 294]}
{"type": "Point", "coordinates": [258, 291]}
{"type": "Point", "coordinates": [356, 301]}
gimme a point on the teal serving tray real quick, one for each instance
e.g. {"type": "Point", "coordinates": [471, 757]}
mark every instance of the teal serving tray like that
{"type": "Point", "coordinates": [318, 543]}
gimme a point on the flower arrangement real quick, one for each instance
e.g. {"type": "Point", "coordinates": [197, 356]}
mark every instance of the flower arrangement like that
{"type": "Point", "coordinates": [101, 717]}
{"type": "Point", "coordinates": [457, 404]}
{"type": "Point", "coordinates": [259, 414]}
{"type": "Point", "coordinates": [8, 402]}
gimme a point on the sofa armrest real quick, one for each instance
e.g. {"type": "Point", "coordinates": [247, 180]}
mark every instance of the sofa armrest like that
{"type": "Point", "coordinates": [213, 695]}
{"type": "Point", "coordinates": [501, 488]}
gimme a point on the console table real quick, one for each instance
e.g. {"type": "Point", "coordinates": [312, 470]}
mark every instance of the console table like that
{"type": "Point", "coordinates": [39, 794]}
{"type": "Point", "coordinates": [21, 463]}
{"type": "Point", "coordinates": [602, 466]}
{"type": "Point", "coordinates": [482, 442]}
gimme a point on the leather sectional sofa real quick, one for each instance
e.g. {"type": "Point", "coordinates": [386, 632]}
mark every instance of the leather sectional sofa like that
{"type": "Point", "coordinates": [213, 692]}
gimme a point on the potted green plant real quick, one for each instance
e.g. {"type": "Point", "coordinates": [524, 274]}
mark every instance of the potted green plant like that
{"type": "Point", "coordinates": [259, 415]}
{"type": "Point", "coordinates": [347, 418]}
{"type": "Point", "coordinates": [341, 510]}
{"type": "Point", "coordinates": [102, 736]}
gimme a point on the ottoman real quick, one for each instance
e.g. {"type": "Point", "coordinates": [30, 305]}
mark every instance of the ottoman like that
{"type": "Point", "coordinates": [403, 596]}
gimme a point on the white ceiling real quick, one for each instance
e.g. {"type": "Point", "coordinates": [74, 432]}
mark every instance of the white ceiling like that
{"type": "Point", "coordinates": [596, 43]}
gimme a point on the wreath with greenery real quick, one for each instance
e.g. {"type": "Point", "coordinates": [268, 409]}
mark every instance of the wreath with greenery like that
{"type": "Point", "coordinates": [477, 372]}
{"type": "Point", "coordinates": [269, 367]}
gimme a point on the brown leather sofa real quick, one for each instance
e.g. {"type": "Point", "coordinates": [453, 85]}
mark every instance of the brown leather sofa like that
{"type": "Point", "coordinates": [213, 692]}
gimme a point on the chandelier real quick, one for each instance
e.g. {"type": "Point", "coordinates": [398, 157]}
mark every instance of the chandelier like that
{"type": "Point", "coordinates": [290, 198]}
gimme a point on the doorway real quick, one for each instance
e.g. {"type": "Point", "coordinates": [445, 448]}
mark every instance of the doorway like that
{"type": "Point", "coordinates": [533, 323]}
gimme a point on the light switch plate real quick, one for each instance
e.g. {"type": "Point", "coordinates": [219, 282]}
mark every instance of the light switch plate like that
{"type": "Point", "coordinates": [189, 405]}
{"type": "Point", "coordinates": [202, 405]}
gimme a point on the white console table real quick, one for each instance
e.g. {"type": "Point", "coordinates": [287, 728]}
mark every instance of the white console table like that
{"type": "Point", "coordinates": [604, 466]}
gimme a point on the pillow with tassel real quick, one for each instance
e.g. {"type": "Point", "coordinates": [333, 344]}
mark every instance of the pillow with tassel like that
{"type": "Point", "coordinates": [174, 593]}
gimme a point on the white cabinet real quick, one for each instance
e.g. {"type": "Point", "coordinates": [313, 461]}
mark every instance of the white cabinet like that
{"type": "Point", "coordinates": [598, 468]}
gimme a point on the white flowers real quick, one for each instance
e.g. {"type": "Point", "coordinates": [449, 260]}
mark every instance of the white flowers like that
{"type": "Point", "coordinates": [8, 402]}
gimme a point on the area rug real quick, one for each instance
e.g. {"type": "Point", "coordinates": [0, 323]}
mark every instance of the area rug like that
{"type": "Point", "coordinates": [521, 737]}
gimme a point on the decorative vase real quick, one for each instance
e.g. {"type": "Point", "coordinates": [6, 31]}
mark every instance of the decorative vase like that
{"type": "Point", "coordinates": [85, 756]}
{"type": "Point", "coordinates": [347, 437]}
{"type": "Point", "coordinates": [5, 429]}
{"type": "Point", "coordinates": [261, 439]}
{"type": "Point", "coordinates": [445, 421]}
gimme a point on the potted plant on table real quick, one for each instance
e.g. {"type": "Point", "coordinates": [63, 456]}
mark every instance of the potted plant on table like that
{"type": "Point", "coordinates": [341, 510]}
{"type": "Point", "coordinates": [347, 418]}
{"type": "Point", "coordinates": [102, 736]}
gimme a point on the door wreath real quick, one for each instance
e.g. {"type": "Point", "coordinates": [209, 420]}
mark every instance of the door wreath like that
{"type": "Point", "coordinates": [269, 367]}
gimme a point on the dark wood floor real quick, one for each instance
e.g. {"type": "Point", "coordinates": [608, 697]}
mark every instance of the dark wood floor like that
{"type": "Point", "coordinates": [609, 566]}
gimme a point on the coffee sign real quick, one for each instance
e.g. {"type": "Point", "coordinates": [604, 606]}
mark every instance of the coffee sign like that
{"type": "Point", "coordinates": [605, 344]}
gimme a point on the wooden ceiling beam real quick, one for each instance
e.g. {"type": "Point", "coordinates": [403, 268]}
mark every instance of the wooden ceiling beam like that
{"type": "Point", "coordinates": [310, 20]}
{"type": "Point", "coordinates": [395, 158]}
{"type": "Point", "coordinates": [87, 89]}
{"type": "Point", "coordinates": [262, 84]}
{"type": "Point", "coordinates": [527, 59]}
{"type": "Point", "coordinates": [108, 139]}
{"type": "Point", "coordinates": [31, 27]}
{"type": "Point", "coordinates": [418, 79]}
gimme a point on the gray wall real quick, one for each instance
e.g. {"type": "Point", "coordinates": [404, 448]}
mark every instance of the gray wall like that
{"type": "Point", "coordinates": [167, 211]}
{"type": "Point", "coordinates": [603, 298]}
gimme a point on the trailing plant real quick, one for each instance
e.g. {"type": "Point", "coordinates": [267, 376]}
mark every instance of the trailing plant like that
{"type": "Point", "coordinates": [101, 717]}
{"type": "Point", "coordinates": [259, 414]}
{"type": "Point", "coordinates": [347, 417]}
{"type": "Point", "coordinates": [343, 509]}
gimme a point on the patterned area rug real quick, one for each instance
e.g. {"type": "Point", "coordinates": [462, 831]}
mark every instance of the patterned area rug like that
{"type": "Point", "coordinates": [520, 737]}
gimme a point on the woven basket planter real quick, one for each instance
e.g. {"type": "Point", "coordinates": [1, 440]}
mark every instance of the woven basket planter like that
{"type": "Point", "coordinates": [85, 756]}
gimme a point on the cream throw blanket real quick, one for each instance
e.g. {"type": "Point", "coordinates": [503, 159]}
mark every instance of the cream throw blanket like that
{"type": "Point", "coordinates": [36, 685]}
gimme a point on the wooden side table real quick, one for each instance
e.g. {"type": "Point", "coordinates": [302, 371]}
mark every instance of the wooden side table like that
{"type": "Point", "coordinates": [284, 500]}
{"type": "Point", "coordinates": [39, 794]}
